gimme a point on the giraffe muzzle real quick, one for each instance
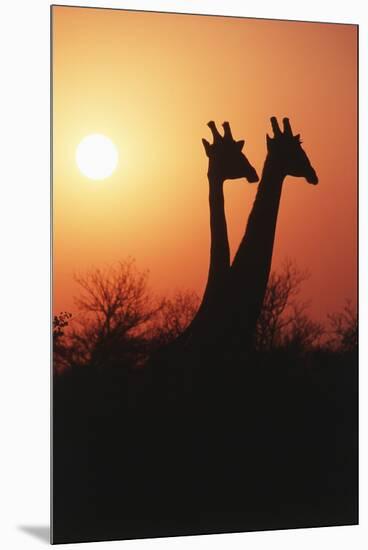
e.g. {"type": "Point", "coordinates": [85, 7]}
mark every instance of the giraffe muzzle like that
{"type": "Point", "coordinates": [312, 178]}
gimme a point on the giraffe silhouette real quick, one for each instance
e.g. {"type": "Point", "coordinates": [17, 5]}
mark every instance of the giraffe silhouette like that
{"type": "Point", "coordinates": [226, 161]}
{"type": "Point", "coordinates": [226, 319]}
{"type": "Point", "coordinates": [251, 266]}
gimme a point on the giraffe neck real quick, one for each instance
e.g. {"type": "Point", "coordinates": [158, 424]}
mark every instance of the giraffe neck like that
{"type": "Point", "coordinates": [262, 220]}
{"type": "Point", "coordinates": [252, 263]}
{"type": "Point", "coordinates": [219, 265]}
{"type": "Point", "coordinates": [255, 250]}
{"type": "Point", "coordinates": [219, 253]}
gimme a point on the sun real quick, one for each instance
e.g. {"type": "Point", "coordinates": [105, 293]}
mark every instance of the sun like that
{"type": "Point", "coordinates": [96, 157]}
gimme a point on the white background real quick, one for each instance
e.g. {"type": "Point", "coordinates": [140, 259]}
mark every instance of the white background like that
{"type": "Point", "coordinates": [25, 271]}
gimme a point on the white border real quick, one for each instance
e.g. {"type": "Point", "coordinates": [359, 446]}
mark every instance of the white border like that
{"type": "Point", "coordinates": [25, 275]}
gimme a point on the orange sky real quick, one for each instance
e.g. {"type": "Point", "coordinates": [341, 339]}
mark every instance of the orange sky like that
{"type": "Point", "coordinates": [150, 82]}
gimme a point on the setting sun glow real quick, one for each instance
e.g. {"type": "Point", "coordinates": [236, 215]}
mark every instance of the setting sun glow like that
{"type": "Point", "coordinates": [96, 157]}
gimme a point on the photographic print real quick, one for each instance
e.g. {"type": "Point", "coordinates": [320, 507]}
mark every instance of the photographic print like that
{"type": "Point", "coordinates": [204, 184]}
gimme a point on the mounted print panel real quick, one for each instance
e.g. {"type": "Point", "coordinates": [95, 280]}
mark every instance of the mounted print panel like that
{"type": "Point", "coordinates": [204, 274]}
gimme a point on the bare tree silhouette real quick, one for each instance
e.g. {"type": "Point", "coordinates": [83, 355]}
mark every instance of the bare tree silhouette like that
{"type": "Point", "coordinates": [344, 329]}
{"type": "Point", "coordinates": [283, 320]}
{"type": "Point", "coordinates": [115, 308]}
{"type": "Point", "coordinates": [60, 324]}
{"type": "Point", "coordinates": [174, 316]}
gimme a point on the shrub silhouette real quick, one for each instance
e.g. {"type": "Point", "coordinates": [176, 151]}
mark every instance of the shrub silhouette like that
{"type": "Point", "coordinates": [121, 323]}
{"type": "Point", "coordinates": [284, 321]}
{"type": "Point", "coordinates": [174, 316]}
{"type": "Point", "coordinates": [344, 329]}
{"type": "Point", "coordinates": [115, 309]}
{"type": "Point", "coordinates": [60, 324]}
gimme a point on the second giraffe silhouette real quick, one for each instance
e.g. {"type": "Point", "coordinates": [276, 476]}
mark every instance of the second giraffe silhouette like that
{"type": "Point", "coordinates": [251, 267]}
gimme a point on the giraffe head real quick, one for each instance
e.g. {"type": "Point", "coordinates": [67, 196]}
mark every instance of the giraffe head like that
{"type": "Point", "coordinates": [226, 159]}
{"type": "Point", "coordinates": [286, 150]}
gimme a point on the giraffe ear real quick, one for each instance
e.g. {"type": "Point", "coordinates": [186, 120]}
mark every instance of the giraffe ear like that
{"type": "Point", "coordinates": [240, 144]}
{"type": "Point", "coordinates": [206, 146]}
